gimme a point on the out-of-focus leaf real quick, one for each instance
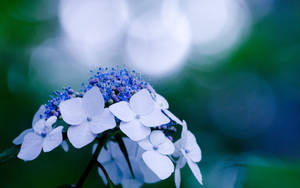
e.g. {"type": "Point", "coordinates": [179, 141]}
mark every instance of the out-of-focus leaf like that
{"type": "Point", "coordinates": [274, 175]}
{"type": "Point", "coordinates": [110, 184]}
{"type": "Point", "coordinates": [9, 153]}
{"type": "Point", "coordinates": [124, 151]}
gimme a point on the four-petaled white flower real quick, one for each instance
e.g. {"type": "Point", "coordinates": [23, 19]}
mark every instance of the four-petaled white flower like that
{"type": "Point", "coordinates": [37, 116]}
{"type": "Point", "coordinates": [42, 136]}
{"type": "Point", "coordinates": [187, 151]}
{"type": "Point", "coordinates": [138, 115]}
{"type": "Point", "coordinates": [157, 146]}
{"type": "Point", "coordinates": [87, 117]}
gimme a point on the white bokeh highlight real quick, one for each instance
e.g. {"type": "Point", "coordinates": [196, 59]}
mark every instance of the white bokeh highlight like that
{"type": "Point", "coordinates": [216, 25]}
{"type": "Point", "coordinates": [158, 40]}
{"type": "Point", "coordinates": [94, 27]}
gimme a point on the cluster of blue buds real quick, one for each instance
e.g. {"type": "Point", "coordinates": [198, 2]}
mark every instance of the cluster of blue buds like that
{"type": "Point", "coordinates": [55, 99]}
{"type": "Point", "coordinates": [115, 85]}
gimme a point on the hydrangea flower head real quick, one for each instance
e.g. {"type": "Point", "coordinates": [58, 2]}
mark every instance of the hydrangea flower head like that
{"type": "Point", "coordinates": [128, 120]}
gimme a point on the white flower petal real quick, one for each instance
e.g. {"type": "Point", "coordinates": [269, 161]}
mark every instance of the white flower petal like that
{"type": "Point", "coordinates": [19, 139]}
{"type": "Point", "coordinates": [80, 135]}
{"type": "Point", "coordinates": [103, 122]}
{"type": "Point", "coordinates": [142, 102]}
{"type": "Point", "coordinates": [139, 153]}
{"type": "Point", "coordinates": [172, 116]}
{"type": "Point", "coordinates": [146, 144]}
{"type": "Point", "coordinates": [160, 164]}
{"type": "Point", "coordinates": [93, 102]}
{"type": "Point", "coordinates": [31, 147]}
{"type": "Point", "coordinates": [159, 140]}
{"type": "Point", "coordinates": [184, 129]}
{"type": "Point", "coordinates": [149, 175]}
{"type": "Point", "coordinates": [196, 171]}
{"type": "Point", "coordinates": [138, 175]}
{"type": "Point", "coordinates": [131, 183]}
{"type": "Point", "coordinates": [104, 155]}
{"type": "Point", "coordinates": [180, 163]}
{"type": "Point", "coordinates": [190, 138]}
{"type": "Point", "coordinates": [122, 111]}
{"type": "Point", "coordinates": [161, 101]}
{"type": "Point", "coordinates": [101, 174]}
{"type": "Point", "coordinates": [39, 126]}
{"type": "Point", "coordinates": [72, 111]}
{"type": "Point", "coordinates": [39, 114]}
{"type": "Point", "coordinates": [166, 148]}
{"type": "Point", "coordinates": [119, 159]}
{"type": "Point", "coordinates": [177, 177]}
{"type": "Point", "coordinates": [135, 130]}
{"type": "Point", "coordinates": [132, 147]}
{"type": "Point", "coordinates": [65, 146]}
{"type": "Point", "coordinates": [115, 151]}
{"type": "Point", "coordinates": [178, 145]}
{"type": "Point", "coordinates": [123, 166]}
{"type": "Point", "coordinates": [157, 137]}
{"type": "Point", "coordinates": [155, 118]}
{"type": "Point", "coordinates": [194, 151]}
{"type": "Point", "coordinates": [53, 139]}
{"type": "Point", "coordinates": [50, 121]}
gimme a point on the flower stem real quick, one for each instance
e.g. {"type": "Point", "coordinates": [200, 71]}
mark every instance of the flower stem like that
{"type": "Point", "coordinates": [89, 166]}
{"type": "Point", "coordinates": [103, 170]}
{"type": "Point", "coordinates": [124, 151]}
{"type": "Point", "coordinates": [101, 141]}
{"type": "Point", "coordinates": [93, 161]}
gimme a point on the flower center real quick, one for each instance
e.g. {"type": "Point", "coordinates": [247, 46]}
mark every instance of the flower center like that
{"type": "Point", "coordinates": [43, 134]}
{"type": "Point", "coordinates": [155, 148]}
{"type": "Point", "coordinates": [187, 151]}
{"type": "Point", "coordinates": [137, 116]}
{"type": "Point", "coordinates": [89, 119]}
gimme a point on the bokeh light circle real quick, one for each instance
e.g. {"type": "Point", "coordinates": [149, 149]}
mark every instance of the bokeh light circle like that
{"type": "Point", "coordinates": [158, 41]}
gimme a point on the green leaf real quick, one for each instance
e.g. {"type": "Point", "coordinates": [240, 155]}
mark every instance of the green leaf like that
{"type": "Point", "coordinates": [124, 151]}
{"type": "Point", "coordinates": [9, 153]}
{"type": "Point", "coordinates": [273, 174]}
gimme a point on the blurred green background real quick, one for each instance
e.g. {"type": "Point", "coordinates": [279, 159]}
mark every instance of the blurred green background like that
{"type": "Point", "coordinates": [229, 68]}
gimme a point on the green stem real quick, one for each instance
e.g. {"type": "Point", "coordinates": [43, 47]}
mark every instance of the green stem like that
{"type": "Point", "coordinates": [101, 141]}
{"type": "Point", "coordinates": [9, 153]}
{"type": "Point", "coordinates": [89, 167]}
{"type": "Point", "coordinates": [103, 170]}
{"type": "Point", "coordinates": [124, 151]}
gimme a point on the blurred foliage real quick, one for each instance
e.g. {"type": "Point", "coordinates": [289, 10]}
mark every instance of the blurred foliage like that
{"type": "Point", "coordinates": [274, 175]}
